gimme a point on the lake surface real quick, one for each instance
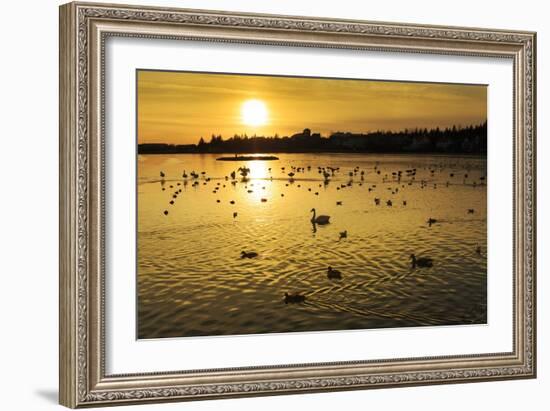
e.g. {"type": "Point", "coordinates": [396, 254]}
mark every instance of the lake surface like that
{"type": "Point", "coordinates": [192, 281]}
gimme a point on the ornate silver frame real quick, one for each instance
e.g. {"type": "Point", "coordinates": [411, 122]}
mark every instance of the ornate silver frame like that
{"type": "Point", "coordinates": [83, 30]}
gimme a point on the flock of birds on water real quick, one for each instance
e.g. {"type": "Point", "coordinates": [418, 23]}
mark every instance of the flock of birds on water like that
{"type": "Point", "coordinates": [399, 178]}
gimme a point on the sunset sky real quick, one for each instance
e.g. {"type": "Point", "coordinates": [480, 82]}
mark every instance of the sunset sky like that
{"type": "Point", "coordinates": [180, 107]}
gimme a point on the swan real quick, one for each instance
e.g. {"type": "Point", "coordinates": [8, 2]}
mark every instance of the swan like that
{"type": "Point", "coordinates": [249, 254]}
{"type": "Point", "coordinates": [294, 298]}
{"type": "Point", "coordinates": [421, 262]}
{"type": "Point", "coordinates": [331, 273]}
{"type": "Point", "coordinates": [321, 220]}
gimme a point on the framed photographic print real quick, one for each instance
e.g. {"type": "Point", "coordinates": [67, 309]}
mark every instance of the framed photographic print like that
{"type": "Point", "coordinates": [258, 204]}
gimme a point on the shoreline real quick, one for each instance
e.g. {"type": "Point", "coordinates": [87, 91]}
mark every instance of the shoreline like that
{"type": "Point", "coordinates": [354, 153]}
{"type": "Point", "coordinates": [248, 158]}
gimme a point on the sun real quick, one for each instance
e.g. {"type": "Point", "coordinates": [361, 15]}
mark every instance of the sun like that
{"type": "Point", "coordinates": [254, 113]}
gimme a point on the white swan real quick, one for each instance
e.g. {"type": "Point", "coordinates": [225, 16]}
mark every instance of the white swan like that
{"type": "Point", "coordinates": [321, 220]}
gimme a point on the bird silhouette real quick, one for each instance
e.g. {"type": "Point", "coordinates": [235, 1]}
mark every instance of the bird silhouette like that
{"type": "Point", "coordinates": [423, 262]}
{"type": "Point", "coordinates": [321, 220]}
{"type": "Point", "coordinates": [333, 274]}
{"type": "Point", "coordinates": [294, 298]}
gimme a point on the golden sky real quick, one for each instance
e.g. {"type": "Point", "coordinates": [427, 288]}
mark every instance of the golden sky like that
{"type": "Point", "coordinates": [181, 107]}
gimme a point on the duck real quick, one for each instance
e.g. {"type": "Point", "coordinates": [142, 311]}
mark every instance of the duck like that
{"type": "Point", "coordinates": [421, 261]}
{"type": "Point", "coordinates": [321, 220]}
{"type": "Point", "coordinates": [343, 234]}
{"type": "Point", "coordinates": [338, 203]}
{"type": "Point", "coordinates": [332, 273]}
{"type": "Point", "coordinates": [249, 254]}
{"type": "Point", "coordinates": [471, 211]}
{"type": "Point", "coordinates": [235, 214]}
{"type": "Point", "coordinates": [431, 221]}
{"type": "Point", "coordinates": [162, 175]}
{"type": "Point", "coordinates": [294, 298]}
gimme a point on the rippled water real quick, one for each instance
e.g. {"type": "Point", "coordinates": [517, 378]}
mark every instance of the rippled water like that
{"type": "Point", "coordinates": [192, 281]}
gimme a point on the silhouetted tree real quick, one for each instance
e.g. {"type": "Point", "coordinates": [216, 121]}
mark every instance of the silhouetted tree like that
{"type": "Point", "coordinates": [470, 139]}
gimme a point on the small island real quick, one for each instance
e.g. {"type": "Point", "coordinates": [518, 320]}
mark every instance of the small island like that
{"type": "Point", "coordinates": [247, 158]}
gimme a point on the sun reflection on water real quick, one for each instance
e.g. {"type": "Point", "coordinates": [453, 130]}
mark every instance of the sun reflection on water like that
{"type": "Point", "coordinates": [258, 186]}
{"type": "Point", "coordinates": [258, 169]}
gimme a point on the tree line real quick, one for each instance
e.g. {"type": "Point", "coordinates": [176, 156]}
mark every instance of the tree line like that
{"type": "Point", "coordinates": [471, 139]}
